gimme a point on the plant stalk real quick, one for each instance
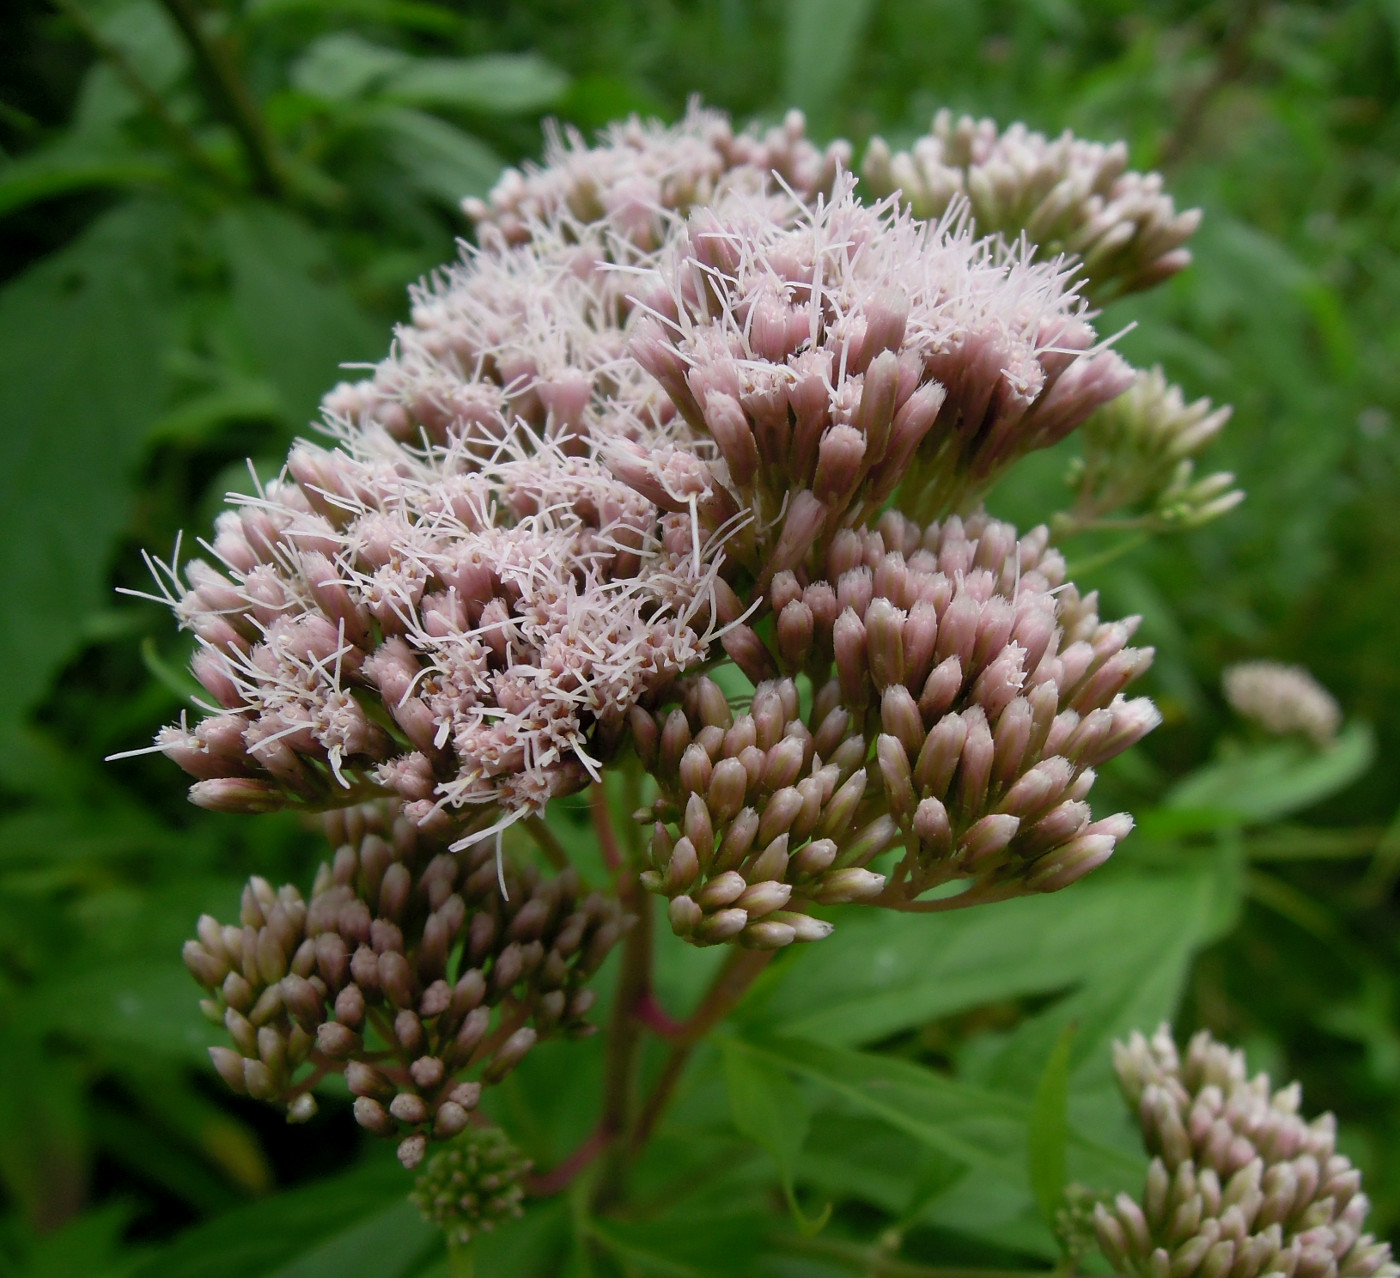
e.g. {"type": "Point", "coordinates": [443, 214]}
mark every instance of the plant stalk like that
{"type": "Point", "coordinates": [231, 98]}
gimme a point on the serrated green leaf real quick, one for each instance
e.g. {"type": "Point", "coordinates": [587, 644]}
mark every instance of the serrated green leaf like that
{"type": "Point", "coordinates": [880, 973]}
{"type": "Point", "coordinates": [504, 83]}
{"type": "Point", "coordinates": [1270, 782]}
{"type": "Point", "coordinates": [1048, 1135]}
{"type": "Point", "coordinates": [82, 335]}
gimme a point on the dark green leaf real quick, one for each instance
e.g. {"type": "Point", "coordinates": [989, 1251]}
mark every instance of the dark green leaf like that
{"type": "Point", "coordinates": [770, 1111]}
{"type": "Point", "coordinates": [1049, 1129]}
{"type": "Point", "coordinates": [300, 324]}
{"type": "Point", "coordinates": [502, 83]}
{"type": "Point", "coordinates": [81, 340]}
{"type": "Point", "coordinates": [1274, 781]}
{"type": "Point", "coordinates": [264, 1237]}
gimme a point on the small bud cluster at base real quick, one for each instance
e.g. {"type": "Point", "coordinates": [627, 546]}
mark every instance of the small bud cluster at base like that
{"type": "Point", "coordinates": [1240, 1184]}
{"type": "Point", "coordinates": [406, 971]}
{"type": "Point", "coordinates": [1283, 700]}
{"type": "Point", "coordinates": [1066, 195]}
{"type": "Point", "coordinates": [473, 1183]}
{"type": "Point", "coordinates": [1138, 462]}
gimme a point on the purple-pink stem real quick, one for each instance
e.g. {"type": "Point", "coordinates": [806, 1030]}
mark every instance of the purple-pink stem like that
{"type": "Point", "coordinates": [603, 827]}
{"type": "Point", "coordinates": [559, 1177]}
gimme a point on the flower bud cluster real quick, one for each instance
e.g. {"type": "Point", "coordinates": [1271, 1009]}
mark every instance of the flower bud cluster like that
{"type": "Point", "coordinates": [964, 695]}
{"type": "Point", "coordinates": [758, 814]}
{"type": "Point", "coordinates": [1239, 1184]}
{"type": "Point", "coordinates": [989, 689]}
{"type": "Point", "coordinates": [471, 1184]}
{"type": "Point", "coordinates": [1283, 700]}
{"type": "Point", "coordinates": [1139, 458]}
{"type": "Point", "coordinates": [642, 170]}
{"type": "Point", "coordinates": [406, 971]}
{"type": "Point", "coordinates": [825, 362]}
{"type": "Point", "coordinates": [1065, 195]}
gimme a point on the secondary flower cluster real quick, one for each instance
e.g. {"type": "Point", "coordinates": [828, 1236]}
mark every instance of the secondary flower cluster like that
{"type": "Point", "coordinates": [987, 691]}
{"type": "Point", "coordinates": [1064, 195]}
{"type": "Point", "coordinates": [472, 1184]}
{"type": "Point", "coordinates": [409, 969]}
{"type": "Point", "coordinates": [1283, 700]}
{"type": "Point", "coordinates": [1239, 1184]}
{"type": "Point", "coordinates": [1138, 458]}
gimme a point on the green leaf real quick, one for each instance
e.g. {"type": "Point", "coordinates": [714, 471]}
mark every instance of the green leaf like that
{"type": "Point", "coordinates": [82, 336]}
{"type": "Point", "coordinates": [436, 158]}
{"type": "Point", "coordinates": [821, 42]}
{"type": "Point", "coordinates": [880, 973]}
{"type": "Point", "coordinates": [60, 170]}
{"type": "Point", "coordinates": [342, 66]}
{"type": "Point", "coordinates": [43, 1129]}
{"type": "Point", "coordinates": [978, 1128]}
{"type": "Point", "coordinates": [770, 1111]}
{"type": "Point", "coordinates": [684, 1244]}
{"type": "Point", "coordinates": [298, 321]}
{"type": "Point", "coordinates": [504, 83]}
{"type": "Point", "coordinates": [267, 1237]}
{"type": "Point", "coordinates": [1264, 784]}
{"type": "Point", "coordinates": [1048, 1136]}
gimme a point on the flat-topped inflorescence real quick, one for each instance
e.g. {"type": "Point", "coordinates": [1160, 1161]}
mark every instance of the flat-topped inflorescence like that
{"type": "Point", "coordinates": [1065, 195]}
{"type": "Point", "coordinates": [1240, 1184]}
{"type": "Point", "coordinates": [407, 970]}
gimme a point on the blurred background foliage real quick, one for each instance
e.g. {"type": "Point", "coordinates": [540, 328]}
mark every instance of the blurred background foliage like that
{"type": "Point", "coordinates": [207, 206]}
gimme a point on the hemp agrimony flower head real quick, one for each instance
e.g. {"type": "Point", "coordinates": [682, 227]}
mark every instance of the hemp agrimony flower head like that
{"type": "Point", "coordinates": [989, 690]}
{"type": "Point", "coordinates": [1064, 195]}
{"type": "Point", "coordinates": [1283, 700]}
{"type": "Point", "coordinates": [1239, 1184]}
{"type": "Point", "coordinates": [691, 399]}
{"type": "Point", "coordinates": [641, 171]}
